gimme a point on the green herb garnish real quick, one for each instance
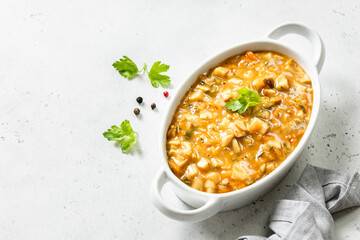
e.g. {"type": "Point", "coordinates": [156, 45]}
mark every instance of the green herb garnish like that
{"type": "Point", "coordinates": [156, 78]}
{"type": "Point", "coordinates": [127, 68]}
{"type": "Point", "coordinates": [124, 134]}
{"type": "Point", "coordinates": [246, 98]}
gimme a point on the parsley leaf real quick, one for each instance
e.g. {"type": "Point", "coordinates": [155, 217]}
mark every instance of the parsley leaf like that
{"type": "Point", "coordinates": [124, 134]}
{"type": "Point", "coordinates": [156, 78]}
{"type": "Point", "coordinates": [246, 98]}
{"type": "Point", "coordinates": [126, 67]}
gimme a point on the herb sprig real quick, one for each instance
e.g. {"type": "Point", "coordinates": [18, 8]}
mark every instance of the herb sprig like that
{"type": "Point", "coordinates": [128, 69]}
{"type": "Point", "coordinates": [246, 98]}
{"type": "Point", "coordinates": [156, 78]}
{"type": "Point", "coordinates": [125, 135]}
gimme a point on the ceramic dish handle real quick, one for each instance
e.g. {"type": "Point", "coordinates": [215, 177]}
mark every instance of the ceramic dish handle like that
{"type": "Point", "coordinates": [308, 33]}
{"type": "Point", "coordinates": [209, 209]}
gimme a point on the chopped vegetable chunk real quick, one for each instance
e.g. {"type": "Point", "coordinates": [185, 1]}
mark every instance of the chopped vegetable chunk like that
{"type": "Point", "coordinates": [281, 83]}
{"type": "Point", "coordinates": [220, 71]}
{"type": "Point", "coordinates": [259, 126]}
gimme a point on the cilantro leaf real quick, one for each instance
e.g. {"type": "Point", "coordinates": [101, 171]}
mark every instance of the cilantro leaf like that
{"type": "Point", "coordinates": [156, 78]}
{"type": "Point", "coordinates": [246, 98]}
{"type": "Point", "coordinates": [250, 95]}
{"type": "Point", "coordinates": [126, 67]}
{"type": "Point", "coordinates": [233, 105]}
{"type": "Point", "coordinates": [124, 134]}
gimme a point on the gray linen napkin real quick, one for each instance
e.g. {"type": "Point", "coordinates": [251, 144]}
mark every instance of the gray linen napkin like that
{"type": "Point", "coordinates": [305, 214]}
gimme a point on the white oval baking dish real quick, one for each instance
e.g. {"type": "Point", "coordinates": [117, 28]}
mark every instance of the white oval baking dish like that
{"type": "Point", "coordinates": [208, 204]}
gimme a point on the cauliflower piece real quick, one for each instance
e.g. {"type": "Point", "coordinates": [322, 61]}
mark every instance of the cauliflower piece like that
{"type": "Point", "coordinates": [192, 171]}
{"type": "Point", "coordinates": [241, 171]}
{"type": "Point", "coordinates": [216, 162]}
{"type": "Point", "coordinates": [210, 186]}
{"type": "Point", "coordinates": [214, 177]}
{"type": "Point", "coordinates": [259, 126]}
{"type": "Point", "coordinates": [258, 83]}
{"type": "Point", "coordinates": [235, 146]}
{"type": "Point", "coordinates": [197, 96]}
{"type": "Point", "coordinates": [281, 83]}
{"type": "Point", "coordinates": [226, 137]}
{"type": "Point", "coordinates": [198, 184]}
{"type": "Point", "coordinates": [203, 163]}
{"type": "Point", "coordinates": [220, 71]}
{"type": "Point", "coordinates": [237, 131]}
{"type": "Point", "coordinates": [305, 79]}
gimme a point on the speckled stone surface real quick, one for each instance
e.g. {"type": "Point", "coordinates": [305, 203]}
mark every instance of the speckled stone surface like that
{"type": "Point", "coordinates": [60, 179]}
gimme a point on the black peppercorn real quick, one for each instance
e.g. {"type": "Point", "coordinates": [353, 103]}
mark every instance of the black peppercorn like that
{"type": "Point", "coordinates": [136, 111]}
{"type": "Point", "coordinates": [153, 106]}
{"type": "Point", "coordinates": [139, 100]}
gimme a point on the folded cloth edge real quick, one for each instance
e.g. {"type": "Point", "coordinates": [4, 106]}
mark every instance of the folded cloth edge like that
{"type": "Point", "coordinates": [350, 198]}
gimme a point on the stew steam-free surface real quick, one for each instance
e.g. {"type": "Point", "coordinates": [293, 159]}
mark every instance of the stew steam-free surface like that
{"type": "Point", "coordinates": [216, 150]}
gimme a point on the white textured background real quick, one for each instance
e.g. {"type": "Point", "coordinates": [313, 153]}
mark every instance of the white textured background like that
{"type": "Point", "coordinates": [60, 179]}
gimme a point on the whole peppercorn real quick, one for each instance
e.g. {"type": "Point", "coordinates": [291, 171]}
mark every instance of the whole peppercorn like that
{"type": "Point", "coordinates": [153, 106]}
{"type": "Point", "coordinates": [166, 94]}
{"type": "Point", "coordinates": [139, 100]}
{"type": "Point", "coordinates": [136, 111]}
